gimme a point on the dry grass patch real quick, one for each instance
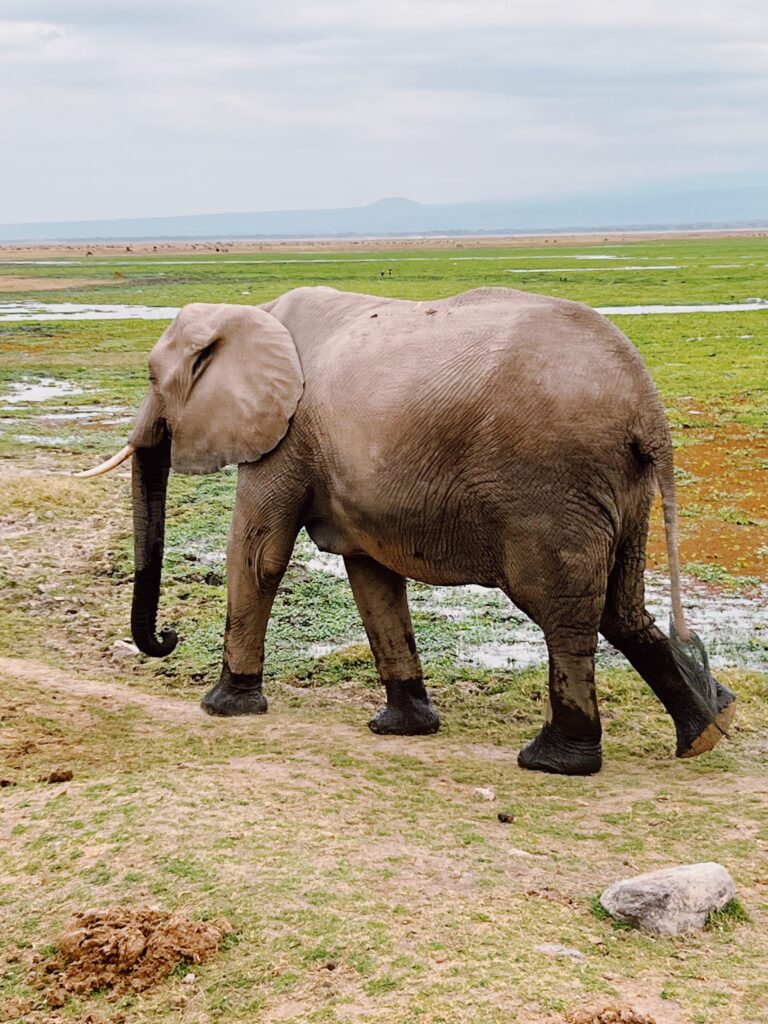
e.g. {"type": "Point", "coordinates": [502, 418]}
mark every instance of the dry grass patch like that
{"type": "Point", "coordinates": [47, 284]}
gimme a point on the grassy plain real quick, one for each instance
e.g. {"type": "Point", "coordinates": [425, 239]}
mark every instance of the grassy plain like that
{"type": "Point", "coordinates": [323, 844]}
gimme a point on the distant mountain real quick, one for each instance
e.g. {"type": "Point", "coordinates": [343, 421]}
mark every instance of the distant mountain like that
{"type": "Point", "coordinates": [728, 207]}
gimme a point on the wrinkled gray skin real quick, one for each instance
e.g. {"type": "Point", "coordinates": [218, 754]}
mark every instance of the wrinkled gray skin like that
{"type": "Point", "coordinates": [499, 438]}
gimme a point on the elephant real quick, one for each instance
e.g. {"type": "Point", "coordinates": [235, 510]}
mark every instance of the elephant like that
{"type": "Point", "coordinates": [498, 438]}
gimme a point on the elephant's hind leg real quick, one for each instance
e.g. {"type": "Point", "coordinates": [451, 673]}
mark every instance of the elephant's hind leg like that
{"type": "Point", "coordinates": [382, 601]}
{"type": "Point", "coordinates": [699, 706]}
{"type": "Point", "coordinates": [562, 588]}
{"type": "Point", "coordinates": [569, 741]}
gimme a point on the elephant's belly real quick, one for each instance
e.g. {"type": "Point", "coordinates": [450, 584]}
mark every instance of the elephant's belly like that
{"type": "Point", "coordinates": [422, 554]}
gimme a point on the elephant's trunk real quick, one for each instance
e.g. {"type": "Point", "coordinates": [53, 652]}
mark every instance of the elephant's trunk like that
{"type": "Point", "coordinates": [150, 480]}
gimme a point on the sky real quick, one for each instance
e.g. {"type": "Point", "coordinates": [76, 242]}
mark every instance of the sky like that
{"type": "Point", "coordinates": [120, 108]}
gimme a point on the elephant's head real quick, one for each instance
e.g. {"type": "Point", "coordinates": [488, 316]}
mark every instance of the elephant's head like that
{"type": "Point", "coordinates": [224, 383]}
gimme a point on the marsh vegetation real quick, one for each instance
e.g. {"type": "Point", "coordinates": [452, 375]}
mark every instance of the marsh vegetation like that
{"type": "Point", "coordinates": [364, 879]}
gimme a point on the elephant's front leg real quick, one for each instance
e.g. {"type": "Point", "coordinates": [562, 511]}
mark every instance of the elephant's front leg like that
{"type": "Point", "coordinates": [257, 557]}
{"type": "Point", "coordinates": [381, 599]}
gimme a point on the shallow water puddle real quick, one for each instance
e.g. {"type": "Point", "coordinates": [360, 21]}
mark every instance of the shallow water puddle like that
{"type": "Point", "coordinates": [21, 312]}
{"type": "Point", "coordinates": [96, 414]}
{"type": "Point", "coordinates": [591, 270]}
{"type": "Point", "coordinates": [256, 260]}
{"type": "Point", "coordinates": [734, 627]}
{"type": "Point", "coordinates": [48, 442]}
{"type": "Point", "coordinates": [754, 305]}
{"type": "Point", "coordinates": [37, 394]}
{"type": "Point", "coordinates": [40, 390]}
{"type": "Point", "coordinates": [42, 263]}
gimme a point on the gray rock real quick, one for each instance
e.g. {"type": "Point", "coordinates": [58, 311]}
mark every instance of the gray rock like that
{"type": "Point", "coordinates": [555, 949]}
{"type": "Point", "coordinates": [124, 649]}
{"type": "Point", "coordinates": [671, 901]}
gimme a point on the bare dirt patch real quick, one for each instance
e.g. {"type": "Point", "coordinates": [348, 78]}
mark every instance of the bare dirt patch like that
{"type": "Point", "coordinates": [126, 950]}
{"type": "Point", "coordinates": [609, 1015]}
{"type": "Point", "coordinates": [75, 250]}
{"type": "Point", "coordinates": [731, 535]}
{"type": "Point", "coordinates": [48, 284]}
{"type": "Point", "coordinates": [639, 1001]}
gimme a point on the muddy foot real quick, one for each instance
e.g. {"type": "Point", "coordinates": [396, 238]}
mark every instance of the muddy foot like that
{"type": "Point", "coordinates": [709, 737]}
{"type": "Point", "coordinates": [235, 695]}
{"type": "Point", "coordinates": [551, 752]}
{"type": "Point", "coordinates": [417, 718]}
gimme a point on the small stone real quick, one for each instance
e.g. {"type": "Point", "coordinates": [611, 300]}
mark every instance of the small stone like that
{"type": "Point", "coordinates": [555, 949]}
{"type": "Point", "coordinates": [124, 649]}
{"type": "Point", "coordinates": [671, 901]}
{"type": "Point", "coordinates": [515, 851]}
{"type": "Point", "coordinates": [189, 979]}
{"type": "Point", "coordinates": [60, 775]}
{"type": "Point", "coordinates": [484, 793]}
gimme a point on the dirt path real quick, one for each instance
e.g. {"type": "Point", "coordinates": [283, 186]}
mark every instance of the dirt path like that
{"type": "Point", "coordinates": [176, 711]}
{"type": "Point", "coordinates": [44, 676]}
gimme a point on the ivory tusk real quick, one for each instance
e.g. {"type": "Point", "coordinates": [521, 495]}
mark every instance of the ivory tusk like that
{"type": "Point", "coordinates": [110, 464]}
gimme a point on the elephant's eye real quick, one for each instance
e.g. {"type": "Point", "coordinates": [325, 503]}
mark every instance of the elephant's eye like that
{"type": "Point", "coordinates": [202, 358]}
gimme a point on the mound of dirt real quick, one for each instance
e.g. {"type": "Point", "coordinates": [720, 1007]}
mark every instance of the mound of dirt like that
{"type": "Point", "coordinates": [127, 950]}
{"type": "Point", "coordinates": [609, 1015]}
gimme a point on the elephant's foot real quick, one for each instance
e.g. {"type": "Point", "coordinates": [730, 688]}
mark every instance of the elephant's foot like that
{"type": "Point", "coordinates": [235, 694]}
{"type": "Point", "coordinates": [693, 740]}
{"type": "Point", "coordinates": [550, 751]}
{"type": "Point", "coordinates": [409, 711]}
{"type": "Point", "coordinates": [420, 719]}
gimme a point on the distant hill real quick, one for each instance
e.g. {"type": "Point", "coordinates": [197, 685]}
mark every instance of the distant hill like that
{"type": "Point", "coordinates": [734, 207]}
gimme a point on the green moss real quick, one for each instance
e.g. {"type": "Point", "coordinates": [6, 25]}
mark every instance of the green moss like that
{"type": "Point", "coordinates": [598, 910]}
{"type": "Point", "coordinates": [732, 914]}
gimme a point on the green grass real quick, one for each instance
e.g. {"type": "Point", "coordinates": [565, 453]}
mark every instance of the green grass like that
{"type": "Point", "coordinates": [321, 843]}
{"type": "Point", "coordinates": [255, 277]}
{"type": "Point", "coordinates": [732, 914]}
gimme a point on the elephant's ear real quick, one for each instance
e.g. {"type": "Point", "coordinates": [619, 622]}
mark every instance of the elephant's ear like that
{"type": "Point", "coordinates": [243, 382]}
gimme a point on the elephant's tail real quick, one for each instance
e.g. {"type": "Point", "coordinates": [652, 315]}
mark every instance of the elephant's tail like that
{"type": "Point", "coordinates": [686, 648]}
{"type": "Point", "coordinates": [665, 477]}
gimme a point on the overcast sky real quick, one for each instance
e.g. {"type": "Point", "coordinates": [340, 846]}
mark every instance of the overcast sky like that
{"type": "Point", "coordinates": [150, 107]}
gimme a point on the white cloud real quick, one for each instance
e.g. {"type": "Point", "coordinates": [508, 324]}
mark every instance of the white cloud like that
{"type": "Point", "coordinates": [27, 37]}
{"type": "Point", "coordinates": [136, 107]}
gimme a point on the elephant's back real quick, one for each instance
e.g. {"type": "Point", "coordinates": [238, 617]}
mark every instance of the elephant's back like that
{"type": "Point", "coordinates": [492, 358]}
{"type": "Point", "coordinates": [490, 375]}
{"type": "Point", "coordinates": [456, 418]}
